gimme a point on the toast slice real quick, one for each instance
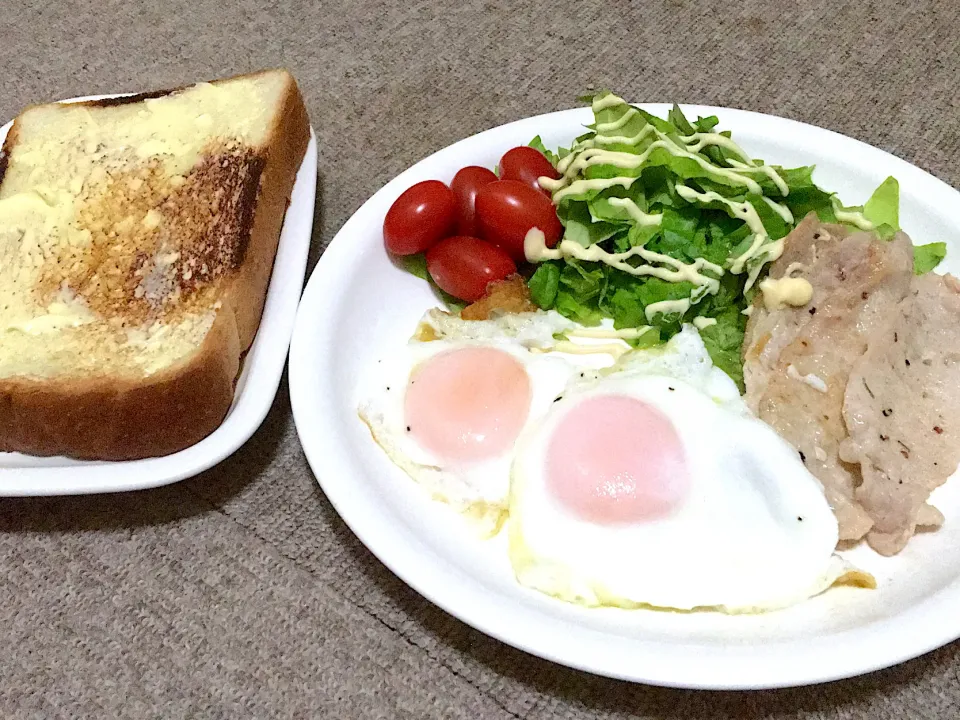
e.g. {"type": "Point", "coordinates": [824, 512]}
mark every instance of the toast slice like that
{"type": "Point", "coordinates": [137, 238]}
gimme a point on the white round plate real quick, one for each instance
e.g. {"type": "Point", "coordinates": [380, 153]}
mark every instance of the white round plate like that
{"type": "Point", "coordinates": [358, 306]}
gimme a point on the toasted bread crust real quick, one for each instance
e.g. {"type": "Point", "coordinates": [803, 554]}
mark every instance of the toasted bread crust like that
{"type": "Point", "coordinates": [101, 419]}
{"type": "Point", "coordinates": [5, 149]}
{"type": "Point", "coordinates": [249, 291]}
{"type": "Point", "coordinates": [106, 418]}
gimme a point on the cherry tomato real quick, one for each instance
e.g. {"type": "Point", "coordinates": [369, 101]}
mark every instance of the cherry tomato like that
{"type": "Point", "coordinates": [526, 164]}
{"type": "Point", "coordinates": [463, 266]}
{"type": "Point", "coordinates": [507, 209]}
{"type": "Point", "coordinates": [466, 184]}
{"type": "Point", "coordinates": [424, 214]}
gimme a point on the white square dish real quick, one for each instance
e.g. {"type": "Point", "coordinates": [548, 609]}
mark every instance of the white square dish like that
{"type": "Point", "coordinates": [262, 368]}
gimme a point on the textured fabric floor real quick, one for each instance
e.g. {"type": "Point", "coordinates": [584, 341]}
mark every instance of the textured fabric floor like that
{"type": "Point", "coordinates": [240, 593]}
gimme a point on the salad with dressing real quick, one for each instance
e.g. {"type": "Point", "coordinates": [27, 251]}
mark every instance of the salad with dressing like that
{"type": "Point", "coordinates": [644, 221]}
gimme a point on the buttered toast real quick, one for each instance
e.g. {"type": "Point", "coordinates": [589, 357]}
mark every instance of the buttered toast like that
{"type": "Point", "coordinates": [137, 238]}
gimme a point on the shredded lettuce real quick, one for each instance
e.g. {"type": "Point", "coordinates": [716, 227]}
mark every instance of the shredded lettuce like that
{"type": "Point", "coordinates": [927, 257]}
{"type": "Point", "coordinates": [537, 144]}
{"type": "Point", "coordinates": [417, 265]}
{"type": "Point", "coordinates": [724, 341]}
{"type": "Point", "coordinates": [544, 284]}
{"type": "Point", "coordinates": [703, 227]}
{"type": "Point", "coordinates": [587, 292]}
{"type": "Point", "coordinates": [883, 208]}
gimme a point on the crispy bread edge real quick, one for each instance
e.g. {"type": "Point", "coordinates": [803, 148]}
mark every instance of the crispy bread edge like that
{"type": "Point", "coordinates": [110, 419]}
{"type": "Point", "coordinates": [107, 419]}
{"type": "Point", "coordinates": [284, 150]}
{"type": "Point", "coordinates": [7, 147]}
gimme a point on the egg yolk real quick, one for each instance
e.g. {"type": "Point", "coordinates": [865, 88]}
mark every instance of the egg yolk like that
{"type": "Point", "coordinates": [615, 459]}
{"type": "Point", "coordinates": [468, 404]}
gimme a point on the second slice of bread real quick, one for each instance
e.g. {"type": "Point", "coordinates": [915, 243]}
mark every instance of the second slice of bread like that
{"type": "Point", "coordinates": [137, 238]}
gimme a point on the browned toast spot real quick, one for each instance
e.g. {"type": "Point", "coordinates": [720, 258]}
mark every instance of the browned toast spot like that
{"type": "Point", "coordinates": [157, 242]}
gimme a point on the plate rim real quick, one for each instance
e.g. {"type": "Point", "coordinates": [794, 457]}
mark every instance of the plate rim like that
{"type": "Point", "coordinates": [263, 367]}
{"type": "Point", "coordinates": [397, 550]}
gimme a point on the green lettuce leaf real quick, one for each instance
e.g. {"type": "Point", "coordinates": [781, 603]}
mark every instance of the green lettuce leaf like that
{"type": "Point", "coordinates": [544, 284]}
{"type": "Point", "coordinates": [417, 265]}
{"type": "Point", "coordinates": [638, 236]}
{"type": "Point", "coordinates": [800, 178]}
{"type": "Point", "coordinates": [579, 225]}
{"type": "Point", "coordinates": [664, 126]}
{"type": "Point", "coordinates": [537, 144]}
{"type": "Point", "coordinates": [682, 235]}
{"type": "Point", "coordinates": [631, 127]}
{"type": "Point", "coordinates": [650, 338]}
{"type": "Point", "coordinates": [775, 225]}
{"type": "Point", "coordinates": [927, 257]}
{"type": "Point", "coordinates": [680, 121]}
{"type": "Point", "coordinates": [707, 124]}
{"type": "Point", "coordinates": [724, 341]}
{"type": "Point", "coordinates": [602, 209]}
{"type": "Point", "coordinates": [659, 188]}
{"type": "Point", "coordinates": [883, 208]}
{"type": "Point", "coordinates": [806, 200]}
{"type": "Point", "coordinates": [714, 153]}
{"type": "Point", "coordinates": [578, 291]}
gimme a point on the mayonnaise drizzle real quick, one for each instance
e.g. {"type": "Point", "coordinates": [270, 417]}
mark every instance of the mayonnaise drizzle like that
{"type": "Point", "coordinates": [535, 249]}
{"type": "Point", "coordinates": [606, 127]}
{"type": "Point", "coordinates": [771, 252]}
{"type": "Point", "coordinates": [743, 210]}
{"type": "Point", "coordinates": [741, 261]}
{"type": "Point", "coordinates": [691, 146]}
{"type": "Point", "coordinates": [702, 140]}
{"type": "Point", "coordinates": [623, 139]}
{"type": "Point", "coordinates": [760, 249]}
{"type": "Point", "coordinates": [634, 211]}
{"type": "Point", "coordinates": [591, 156]}
{"type": "Point", "coordinates": [703, 322]}
{"type": "Point", "coordinates": [607, 101]}
{"type": "Point", "coordinates": [582, 186]}
{"type": "Point", "coordinates": [613, 349]}
{"type": "Point", "coordinates": [666, 307]}
{"type": "Point", "coordinates": [610, 333]}
{"type": "Point", "coordinates": [780, 209]}
{"type": "Point", "coordinates": [853, 217]}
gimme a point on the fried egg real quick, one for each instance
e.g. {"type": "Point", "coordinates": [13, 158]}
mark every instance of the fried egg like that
{"type": "Point", "coordinates": [449, 406]}
{"type": "Point", "coordinates": [652, 485]}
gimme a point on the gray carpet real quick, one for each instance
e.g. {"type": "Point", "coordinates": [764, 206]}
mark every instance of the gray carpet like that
{"type": "Point", "coordinates": [240, 593]}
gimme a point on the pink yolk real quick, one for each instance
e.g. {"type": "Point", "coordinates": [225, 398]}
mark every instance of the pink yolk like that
{"type": "Point", "coordinates": [615, 459]}
{"type": "Point", "coordinates": [469, 404]}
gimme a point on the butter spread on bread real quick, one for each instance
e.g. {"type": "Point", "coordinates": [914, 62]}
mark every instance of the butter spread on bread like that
{"type": "Point", "coordinates": [137, 238]}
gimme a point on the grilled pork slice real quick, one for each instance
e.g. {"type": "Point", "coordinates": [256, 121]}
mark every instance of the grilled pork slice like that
{"type": "Point", "coordinates": [797, 360]}
{"type": "Point", "coordinates": [137, 237]}
{"type": "Point", "coordinates": [902, 410]}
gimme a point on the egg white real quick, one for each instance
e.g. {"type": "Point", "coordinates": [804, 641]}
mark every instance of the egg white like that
{"type": "Point", "coordinates": [479, 491]}
{"type": "Point", "coordinates": [754, 533]}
